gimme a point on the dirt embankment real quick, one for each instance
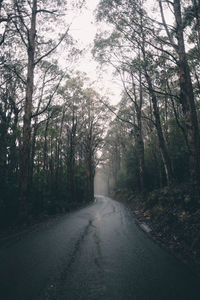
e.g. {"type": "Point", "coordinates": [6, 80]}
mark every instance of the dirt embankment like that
{"type": "Point", "coordinates": [172, 222]}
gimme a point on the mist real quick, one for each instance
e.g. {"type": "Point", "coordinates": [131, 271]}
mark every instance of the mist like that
{"type": "Point", "coordinates": [101, 183]}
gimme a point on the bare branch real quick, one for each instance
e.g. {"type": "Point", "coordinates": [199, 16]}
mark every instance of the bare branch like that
{"type": "Point", "coordinates": [54, 48]}
{"type": "Point", "coordinates": [166, 26]}
{"type": "Point", "coordinates": [118, 117]}
{"type": "Point", "coordinates": [50, 98]}
{"type": "Point", "coordinates": [149, 119]}
{"type": "Point", "coordinates": [53, 12]}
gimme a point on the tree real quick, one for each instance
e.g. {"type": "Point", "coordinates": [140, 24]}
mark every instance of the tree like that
{"type": "Point", "coordinates": [186, 93]}
{"type": "Point", "coordinates": [33, 42]}
{"type": "Point", "coordinates": [134, 34]}
{"type": "Point", "coordinates": [169, 74]}
{"type": "Point", "coordinates": [94, 116]}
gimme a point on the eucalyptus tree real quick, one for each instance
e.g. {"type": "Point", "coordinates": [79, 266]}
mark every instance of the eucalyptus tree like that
{"type": "Point", "coordinates": [6, 15]}
{"type": "Point", "coordinates": [132, 26]}
{"type": "Point", "coordinates": [11, 93]}
{"type": "Point", "coordinates": [72, 95]}
{"type": "Point", "coordinates": [30, 19]}
{"type": "Point", "coordinates": [70, 137]}
{"type": "Point", "coordinates": [49, 78]}
{"type": "Point", "coordinates": [187, 98]}
{"type": "Point", "coordinates": [116, 142]}
{"type": "Point", "coordinates": [135, 93]}
{"type": "Point", "coordinates": [94, 115]}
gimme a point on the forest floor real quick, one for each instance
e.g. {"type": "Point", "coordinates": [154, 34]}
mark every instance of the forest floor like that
{"type": "Point", "coordinates": [173, 227]}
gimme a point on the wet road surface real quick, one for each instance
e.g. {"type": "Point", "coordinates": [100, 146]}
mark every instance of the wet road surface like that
{"type": "Point", "coordinates": [96, 253]}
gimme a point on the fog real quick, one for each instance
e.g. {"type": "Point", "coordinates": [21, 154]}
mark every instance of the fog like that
{"type": "Point", "coordinates": [101, 183]}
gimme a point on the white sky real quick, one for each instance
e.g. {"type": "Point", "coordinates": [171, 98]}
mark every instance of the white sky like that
{"type": "Point", "coordinates": [84, 29]}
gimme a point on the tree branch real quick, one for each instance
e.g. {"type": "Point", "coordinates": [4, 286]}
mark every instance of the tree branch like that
{"type": "Point", "coordinates": [54, 48]}
{"type": "Point", "coordinates": [50, 99]}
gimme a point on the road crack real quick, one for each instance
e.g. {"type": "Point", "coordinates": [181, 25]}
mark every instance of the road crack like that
{"type": "Point", "coordinates": [55, 286]}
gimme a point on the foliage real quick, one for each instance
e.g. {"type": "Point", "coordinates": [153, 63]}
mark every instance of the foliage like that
{"type": "Point", "coordinates": [148, 50]}
{"type": "Point", "coordinates": [51, 121]}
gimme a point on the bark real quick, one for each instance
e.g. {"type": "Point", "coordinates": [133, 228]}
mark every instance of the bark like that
{"type": "Point", "coordinates": [90, 174]}
{"type": "Point", "coordinates": [71, 160]}
{"type": "Point", "coordinates": [26, 148]}
{"type": "Point", "coordinates": [90, 168]}
{"type": "Point", "coordinates": [140, 137]}
{"type": "Point", "coordinates": [162, 144]}
{"type": "Point", "coordinates": [35, 129]}
{"type": "Point", "coordinates": [140, 149]}
{"type": "Point", "coordinates": [116, 161]}
{"type": "Point", "coordinates": [188, 103]}
{"type": "Point", "coordinates": [161, 140]}
{"type": "Point", "coordinates": [177, 119]}
{"type": "Point", "coordinates": [3, 151]}
{"type": "Point", "coordinates": [137, 126]}
{"type": "Point", "coordinates": [58, 163]}
{"type": "Point", "coordinates": [196, 6]}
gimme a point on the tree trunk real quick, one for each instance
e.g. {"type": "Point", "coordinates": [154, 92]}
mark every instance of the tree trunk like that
{"type": "Point", "coordinates": [196, 7]}
{"type": "Point", "coordinates": [188, 103]}
{"type": "Point", "coordinates": [140, 137]}
{"type": "Point", "coordinates": [90, 175]}
{"type": "Point", "coordinates": [26, 148]}
{"type": "Point", "coordinates": [162, 144]}
{"type": "Point", "coordinates": [35, 128]}
{"type": "Point", "coordinates": [45, 148]}
{"type": "Point", "coordinates": [71, 161]}
{"type": "Point", "coordinates": [140, 149]}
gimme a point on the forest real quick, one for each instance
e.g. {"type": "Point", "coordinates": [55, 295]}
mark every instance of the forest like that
{"type": "Point", "coordinates": [151, 156]}
{"type": "Point", "coordinates": [154, 139]}
{"type": "Point", "coordinates": [99, 149]}
{"type": "Point", "coordinates": [57, 131]}
{"type": "Point", "coordinates": [51, 119]}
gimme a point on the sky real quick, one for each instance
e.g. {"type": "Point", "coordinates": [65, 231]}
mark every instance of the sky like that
{"type": "Point", "coordinates": [84, 29]}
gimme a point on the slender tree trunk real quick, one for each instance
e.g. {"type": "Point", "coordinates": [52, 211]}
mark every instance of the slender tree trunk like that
{"type": "Point", "coordinates": [26, 148]}
{"type": "Point", "coordinates": [58, 152]}
{"type": "Point", "coordinates": [90, 175]}
{"type": "Point", "coordinates": [71, 161]}
{"type": "Point", "coordinates": [90, 162]}
{"type": "Point", "coordinates": [45, 147]}
{"type": "Point", "coordinates": [140, 137]}
{"type": "Point", "coordinates": [196, 7]}
{"type": "Point", "coordinates": [140, 149]}
{"type": "Point", "coordinates": [162, 144]}
{"type": "Point", "coordinates": [3, 151]}
{"type": "Point", "coordinates": [35, 129]}
{"type": "Point", "coordinates": [175, 110]}
{"type": "Point", "coordinates": [117, 161]}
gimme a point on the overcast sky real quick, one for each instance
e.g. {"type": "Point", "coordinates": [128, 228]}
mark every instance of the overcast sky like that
{"type": "Point", "coordinates": [84, 29]}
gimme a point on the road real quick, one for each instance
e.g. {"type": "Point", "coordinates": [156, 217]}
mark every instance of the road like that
{"type": "Point", "coordinates": [96, 253]}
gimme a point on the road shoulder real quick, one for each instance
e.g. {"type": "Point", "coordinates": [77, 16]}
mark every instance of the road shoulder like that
{"type": "Point", "coordinates": [167, 233]}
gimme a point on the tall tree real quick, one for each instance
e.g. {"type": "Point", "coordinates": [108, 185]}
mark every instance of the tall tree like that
{"type": "Point", "coordinates": [186, 93]}
{"type": "Point", "coordinates": [34, 44]}
{"type": "Point", "coordinates": [134, 33]}
{"type": "Point", "coordinates": [26, 149]}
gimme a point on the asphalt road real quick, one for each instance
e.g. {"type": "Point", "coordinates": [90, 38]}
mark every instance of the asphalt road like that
{"type": "Point", "coordinates": [96, 253]}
